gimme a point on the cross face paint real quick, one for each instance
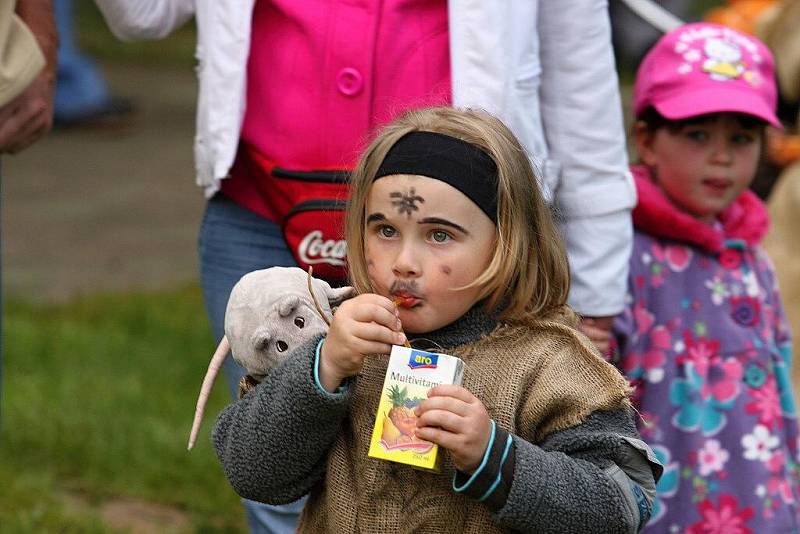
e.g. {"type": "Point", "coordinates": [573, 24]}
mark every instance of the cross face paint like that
{"type": "Point", "coordinates": [406, 202]}
{"type": "Point", "coordinates": [420, 256]}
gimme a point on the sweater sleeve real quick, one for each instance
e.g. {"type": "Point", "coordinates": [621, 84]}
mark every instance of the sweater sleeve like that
{"type": "Point", "coordinates": [594, 477]}
{"type": "Point", "coordinates": [273, 443]}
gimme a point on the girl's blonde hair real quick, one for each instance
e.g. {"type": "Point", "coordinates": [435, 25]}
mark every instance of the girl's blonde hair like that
{"type": "Point", "coordinates": [528, 274]}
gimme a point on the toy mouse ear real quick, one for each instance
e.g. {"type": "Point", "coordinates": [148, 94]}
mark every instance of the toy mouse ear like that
{"type": "Point", "coordinates": [287, 305]}
{"type": "Point", "coordinates": [261, 338]}
{"type": "Point", "coordinates": [337, 295]}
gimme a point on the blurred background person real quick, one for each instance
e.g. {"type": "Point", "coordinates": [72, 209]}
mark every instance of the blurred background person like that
{"type": "Point", "coordinates": [82, 95]}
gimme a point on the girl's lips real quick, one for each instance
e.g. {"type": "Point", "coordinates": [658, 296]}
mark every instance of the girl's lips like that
{"type": "Point", "coordinates": [717, 184]}
{"type": "Point", "coordinates": [405, 301]}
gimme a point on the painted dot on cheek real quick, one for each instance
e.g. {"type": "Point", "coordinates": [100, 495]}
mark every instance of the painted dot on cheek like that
{"type": "Point", "coordinates": [445, 269]}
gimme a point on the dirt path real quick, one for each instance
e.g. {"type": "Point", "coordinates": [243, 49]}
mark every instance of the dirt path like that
{"type": "Point", "coordinates": [93, 210]}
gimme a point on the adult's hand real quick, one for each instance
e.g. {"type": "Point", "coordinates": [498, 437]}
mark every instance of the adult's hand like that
{"type": "Point", "coordinates": [598, 330]}
{"type": "Point", "coordinates": [30, 115]}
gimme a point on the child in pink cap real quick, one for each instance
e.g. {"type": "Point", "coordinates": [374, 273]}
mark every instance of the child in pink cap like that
{"type": "Point", "coordinates": [704, 339]}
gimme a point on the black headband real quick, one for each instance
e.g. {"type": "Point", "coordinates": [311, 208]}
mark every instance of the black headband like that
{"type": "Point", "coordinates": [453, 161]}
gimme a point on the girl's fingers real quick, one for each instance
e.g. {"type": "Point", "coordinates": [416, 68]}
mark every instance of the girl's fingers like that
{"type": "Point", "coordinates": [373, 311]}
{"type": "Point", "coordinates": [450, 404]}
{"type": "Point", "coordinates": [441, 437]}
{"type": "Point", "coordinates": [372, 298]}
{"type": "Point", "coordinates": [443, 419]}
{"type": "Point", "coordinates": [358, 344]}
{"type": "Point", "coordinates": [376, 332]}
{"type": "Point", "coordinates": [450, 390]}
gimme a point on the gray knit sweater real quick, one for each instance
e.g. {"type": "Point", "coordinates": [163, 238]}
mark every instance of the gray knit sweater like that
{"type": "Point", "coordinates": [287, 438]}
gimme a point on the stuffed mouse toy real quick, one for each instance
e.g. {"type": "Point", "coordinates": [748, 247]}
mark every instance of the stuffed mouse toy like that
{"type": "Point", "coordinates": [269, 313]}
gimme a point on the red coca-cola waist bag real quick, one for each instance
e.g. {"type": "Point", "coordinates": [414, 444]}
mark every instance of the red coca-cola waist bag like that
{"type": "Point", "coordinates": [309, 205]}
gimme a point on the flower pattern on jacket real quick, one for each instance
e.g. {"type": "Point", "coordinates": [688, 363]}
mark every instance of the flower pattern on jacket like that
{"type": "Point", "coordinates": [705, 343]}
{"type": "Point", "coordinates": [726, 518]}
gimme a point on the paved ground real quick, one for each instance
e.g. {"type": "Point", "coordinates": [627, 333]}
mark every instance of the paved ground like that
{"type": "Point", "coordinates": [107, 209]}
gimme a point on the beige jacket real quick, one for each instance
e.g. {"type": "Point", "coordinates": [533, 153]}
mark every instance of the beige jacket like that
{"type": "Point", "coordinates": [21, 60]}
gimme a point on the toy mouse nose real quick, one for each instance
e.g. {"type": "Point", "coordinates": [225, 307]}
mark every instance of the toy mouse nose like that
{"type": "Point", "coordinates": [281, 346]}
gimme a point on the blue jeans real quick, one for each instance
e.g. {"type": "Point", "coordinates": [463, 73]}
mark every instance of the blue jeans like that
{"type": "Point", "coordinates": [234, 241]}
{"type": "Point", "coordinates": [80, 88]}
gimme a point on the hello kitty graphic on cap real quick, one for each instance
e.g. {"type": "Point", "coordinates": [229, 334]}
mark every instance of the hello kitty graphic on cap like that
{"type": "Point", "coordinates": [703, 68]}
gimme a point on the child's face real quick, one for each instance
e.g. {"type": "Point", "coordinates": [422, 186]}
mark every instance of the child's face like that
{"type": "Point", "coordinates": [423, 239]}
{"type": "Point", "coordinates": [702, 167]}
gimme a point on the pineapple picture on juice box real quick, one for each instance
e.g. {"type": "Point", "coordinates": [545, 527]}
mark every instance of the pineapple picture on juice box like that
{"type": "Point", "coordinates": [409, 376]}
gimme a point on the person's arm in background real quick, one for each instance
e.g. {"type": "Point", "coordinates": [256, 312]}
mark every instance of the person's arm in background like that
{"type": "Point", "coordinates": [145, 19]}
{"type": "Point", "coordinates": [583, 124]}
{"type": "Point", "coordinates": [29, 116]}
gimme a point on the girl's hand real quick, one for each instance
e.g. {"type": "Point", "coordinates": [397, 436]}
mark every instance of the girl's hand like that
{"type": "Point", "coordinates": [455, 419]}
{"type": "Point", "coordinates": [366, 324]}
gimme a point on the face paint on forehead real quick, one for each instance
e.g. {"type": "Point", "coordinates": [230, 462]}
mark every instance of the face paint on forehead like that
{"type": "Point", "coordinates": [406, 202]}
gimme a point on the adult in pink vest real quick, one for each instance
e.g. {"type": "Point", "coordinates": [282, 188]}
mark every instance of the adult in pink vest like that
{"type": "Point", "coordinates": [299, 86]}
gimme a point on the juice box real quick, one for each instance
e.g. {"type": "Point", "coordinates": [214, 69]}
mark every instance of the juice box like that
{"type": "Point", "coordinates": [409, 376]}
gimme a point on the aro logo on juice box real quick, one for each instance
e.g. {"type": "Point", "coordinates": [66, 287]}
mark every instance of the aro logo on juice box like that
{"type": "Point", "coordinates": [423, 360]}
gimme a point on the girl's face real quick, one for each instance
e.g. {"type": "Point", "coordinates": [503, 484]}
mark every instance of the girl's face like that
{"type": "Point", "coordinates": [423, 239]}
{"type": "Point", "coordinates": [702, 167]}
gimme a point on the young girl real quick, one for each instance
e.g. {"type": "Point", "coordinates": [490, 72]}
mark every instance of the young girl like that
{"type": "Point", "coordinates": [704, 339]}
{"type": "Point", "coordinates": [446, 218]}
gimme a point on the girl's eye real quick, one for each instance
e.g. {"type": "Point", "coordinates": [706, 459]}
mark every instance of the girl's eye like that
{"type": "Point", "coordinates": [742, 138]}
{"type": "Point", "coordinates": [697, 135]}
{"type": "Point", "coordinates": [440, 236]}
{"type": "Point", "coordinates": [387, 231]}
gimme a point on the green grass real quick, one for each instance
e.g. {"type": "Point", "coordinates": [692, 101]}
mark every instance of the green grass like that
{"type": "Point", "coordinates": [98, 397]}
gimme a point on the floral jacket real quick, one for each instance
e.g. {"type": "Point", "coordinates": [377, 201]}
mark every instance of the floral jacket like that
{"type": "Point", "coordinates": [706, 345]}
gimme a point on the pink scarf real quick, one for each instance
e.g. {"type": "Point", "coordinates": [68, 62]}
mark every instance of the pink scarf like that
{"type": "Point", "coordinates": [746, 219]}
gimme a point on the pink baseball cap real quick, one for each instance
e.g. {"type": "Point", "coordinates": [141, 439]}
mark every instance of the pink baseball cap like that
{"type": "Point", "coordinates": [702, 68]}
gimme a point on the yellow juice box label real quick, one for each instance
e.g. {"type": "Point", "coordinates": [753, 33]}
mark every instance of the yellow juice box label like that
{"type": "Point", "coordinates": [409, 376]}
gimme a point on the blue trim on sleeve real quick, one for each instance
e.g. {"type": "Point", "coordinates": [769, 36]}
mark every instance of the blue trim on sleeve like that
{"type": "Point", "coordinates": [499, 471]}
{"type": "Point", "coordinates": [480, 467]}
{"type": "Point", "coordinates": [339, 390]}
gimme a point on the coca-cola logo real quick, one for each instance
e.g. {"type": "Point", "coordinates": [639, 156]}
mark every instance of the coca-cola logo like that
{"type": "Point", "coordinates": [315, 249]}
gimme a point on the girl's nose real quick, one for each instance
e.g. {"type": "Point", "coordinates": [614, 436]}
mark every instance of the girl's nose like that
{"type": "Point", "coordinates": [406, 262]}
{"type": "Point", "coordinates": [722, 153]}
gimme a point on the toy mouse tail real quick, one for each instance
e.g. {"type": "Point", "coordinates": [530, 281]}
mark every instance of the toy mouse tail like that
{"type": "Point", "coordinates": [205, 390]}
{"type": "Point", "coordinates": [314, 297]}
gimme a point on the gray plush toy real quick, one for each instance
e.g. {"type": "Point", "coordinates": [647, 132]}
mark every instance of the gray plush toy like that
{"type": "Point", "coordinates": [269, 312]}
